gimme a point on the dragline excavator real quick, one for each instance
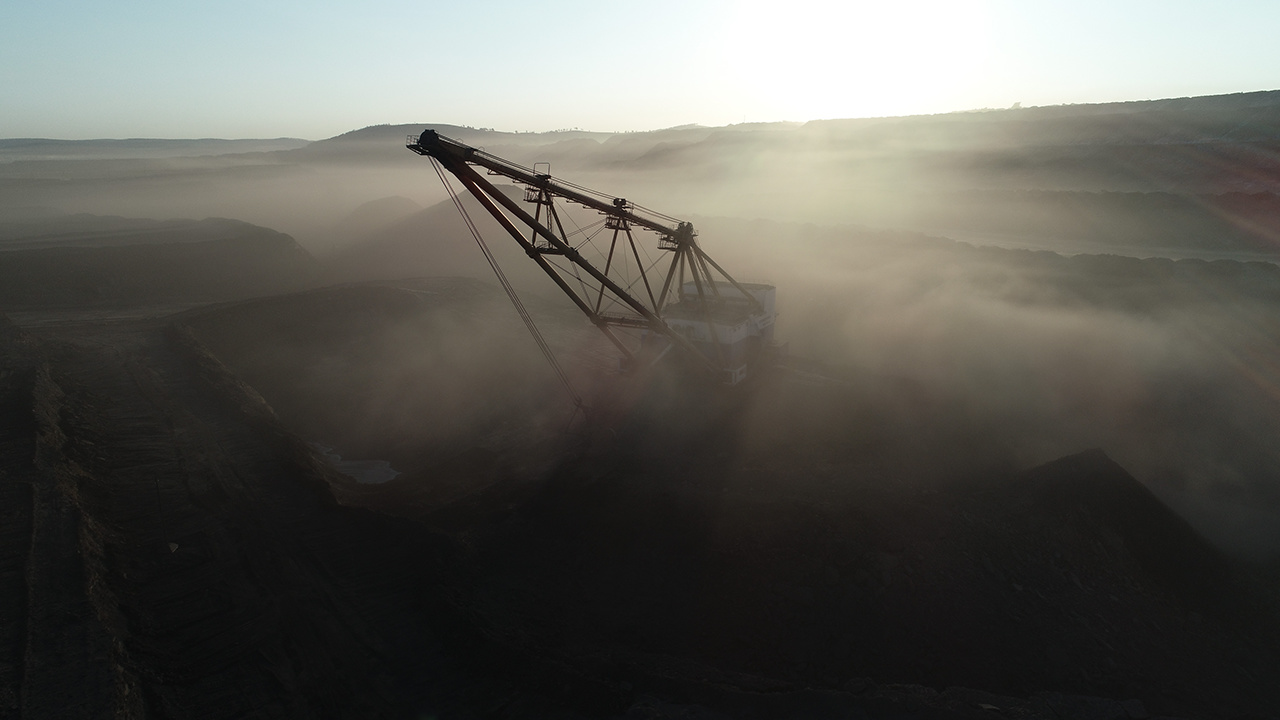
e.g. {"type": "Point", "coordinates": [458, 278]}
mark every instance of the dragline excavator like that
{"type": "Point", "coordinates": [686, 303]}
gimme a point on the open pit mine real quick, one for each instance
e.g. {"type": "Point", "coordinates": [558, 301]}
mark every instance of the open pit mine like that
{"type": "Point", "coordinates": [404, 477]}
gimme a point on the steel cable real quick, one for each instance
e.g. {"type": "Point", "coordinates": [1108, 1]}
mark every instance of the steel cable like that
{"type": "Point", "coordinates": [510, 290]}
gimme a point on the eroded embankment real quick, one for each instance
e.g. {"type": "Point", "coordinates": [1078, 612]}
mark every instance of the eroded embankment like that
{"type": "Point", "coordinates": [178, 553]}
{"type": "Point", "coordinates": [17, 484]}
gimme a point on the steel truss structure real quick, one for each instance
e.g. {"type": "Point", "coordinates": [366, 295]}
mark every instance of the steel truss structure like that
{"type": "Point", "coordinates": [613, 300]}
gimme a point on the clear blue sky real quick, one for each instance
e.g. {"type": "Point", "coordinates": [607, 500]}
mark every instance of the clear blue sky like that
{"type": "Point", "coordinates": [144, 68]}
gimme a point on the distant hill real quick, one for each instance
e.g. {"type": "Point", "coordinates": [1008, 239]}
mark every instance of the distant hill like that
{"type": "Point", "coordinates": [1182, 177]}
{"type": "Point", "coordinates": [1203, 103]}
{"type": "Point", "coordinates": [1237, 117]}
{"type": "Point", "coordinates": [13, 149]}
{"type": "Point", "coordinates": [386, 143]}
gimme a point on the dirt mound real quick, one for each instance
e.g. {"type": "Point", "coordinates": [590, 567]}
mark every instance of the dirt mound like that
{"type": "Point", "coordinates": [1097, 494]}
{"type": "Point", "coordinates": [1069, 577]}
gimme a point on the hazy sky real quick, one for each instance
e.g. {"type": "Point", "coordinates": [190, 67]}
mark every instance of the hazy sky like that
{"type": "Point", "coordinates": [146, 68]}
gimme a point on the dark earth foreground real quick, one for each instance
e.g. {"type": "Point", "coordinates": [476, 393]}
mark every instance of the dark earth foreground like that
{"type": "Point", "coordinates": [171, 548]}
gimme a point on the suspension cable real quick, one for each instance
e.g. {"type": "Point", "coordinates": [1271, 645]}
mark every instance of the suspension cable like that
{"type": "Point", "coordinates": [510, 290]}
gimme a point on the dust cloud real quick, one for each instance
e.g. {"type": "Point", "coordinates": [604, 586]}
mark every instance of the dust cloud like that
{"type": "Point", "coordinates": [974, 293]}
{"type": "Point", "coordinates": [1023, 357]}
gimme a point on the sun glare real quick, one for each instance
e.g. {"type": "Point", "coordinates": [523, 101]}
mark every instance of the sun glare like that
{"type": "Point", "coordinates": [809, 59]}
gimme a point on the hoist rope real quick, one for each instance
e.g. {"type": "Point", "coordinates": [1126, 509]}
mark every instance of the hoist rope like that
{"type": "Point", "coordinates": [510, 290]}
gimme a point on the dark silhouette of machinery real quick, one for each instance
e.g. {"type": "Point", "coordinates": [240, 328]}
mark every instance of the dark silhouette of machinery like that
{"type": "Point", "coordinates": [688, 303]}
